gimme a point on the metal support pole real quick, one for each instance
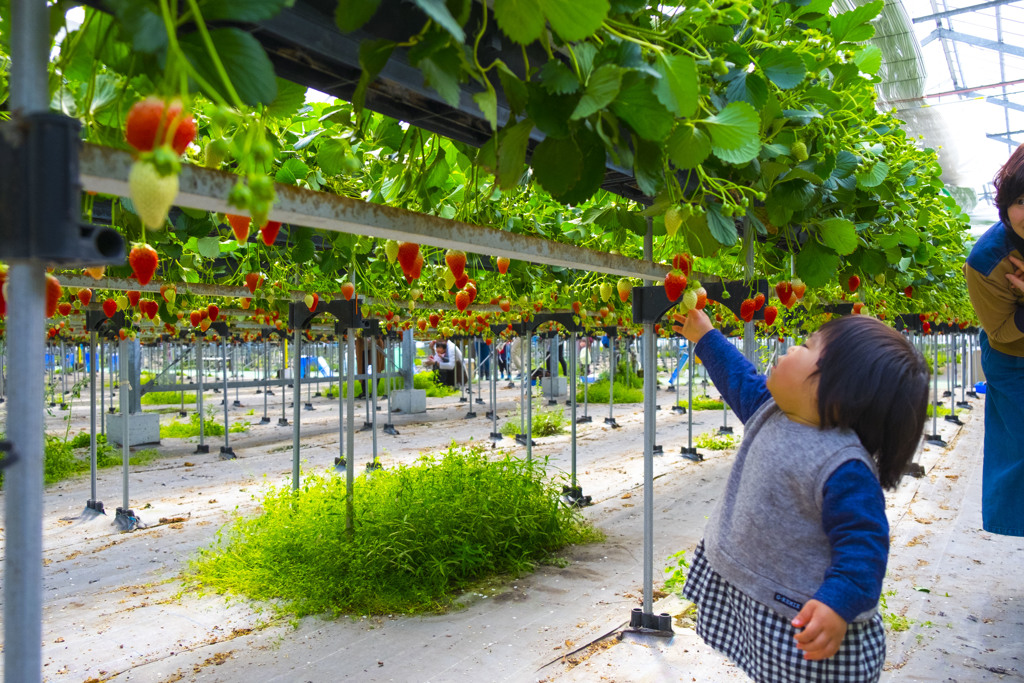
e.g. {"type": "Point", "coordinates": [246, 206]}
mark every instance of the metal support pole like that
{"type": "Point", "coordinates": [367, 425]}
{"type": "Point", "coordinates": [266, 381]}
{"type": "Point", "coordinates": [350, 440]}
{"type": "Point", "coordinates": [102, 389]}
{"type": "Point", "coordinates": [283, 420]}
{"type": "Point", "coordinates": [226, 453]}
{"type": "Point", "coordinates": [202, 447]}
{"type": "Point", "coordinates": [296, 400]}
{"type": "Point", "coordinates": [234, 371]}
{"type": "Point", "coordinates": [612, 352]}
{"type": "Point", "coordinates": [935, 439]}
{"type": "Point", "coordinates": [465, 371]}
{"type": "Point", "coordinates": [963, 372]}
{"type": "Point", "coordinates": [952, 417]}
{"type": "Point", "coordinates": [572, 419]}
{"type": "Point", "coordinates": [389, 367]}
{"type": "Point", "coordinates": [493, 414]}
{"type": "Point", "coordinates": [688, 451]}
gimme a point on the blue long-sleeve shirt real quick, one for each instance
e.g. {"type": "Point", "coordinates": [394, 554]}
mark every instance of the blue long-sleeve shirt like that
{"type": "Point", "coordinates": [853, 507]}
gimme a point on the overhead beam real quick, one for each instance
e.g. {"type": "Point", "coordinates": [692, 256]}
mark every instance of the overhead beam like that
{"type": "Point", "coordinates": [957, 36]}
{"type": "Point", "coordinates": [960, 10]}
{"type": "Point", "coordinates": [105, 170]}
{"type": "Point", "coordinates": [1002, 138]}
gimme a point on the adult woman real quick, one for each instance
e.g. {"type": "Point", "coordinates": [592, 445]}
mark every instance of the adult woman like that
{"type": "Point", "coordinates": [995, 281]}
{"type": "Point", "coordinates": [447, 362]}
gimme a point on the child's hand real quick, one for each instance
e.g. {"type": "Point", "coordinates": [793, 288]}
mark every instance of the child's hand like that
{"type": "Point", "coordinates": [695, 324]}
{"type": "Point", "coordinates": [1017, 278]}
{"type": "Point", "coordinates": [823, 630]}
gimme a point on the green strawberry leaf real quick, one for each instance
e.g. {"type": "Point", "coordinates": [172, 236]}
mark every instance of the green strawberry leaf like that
{"type": "Point", "coordinates": [723, 228]}
{"type": "Point", "coordinates": [558, 78]}
{"type": "Point", "coordinates": [487, 101]}
{"type": "Point", "coordinates": [438, 11]}
{"type": "Point", "coordinates": [350, 15]}
{"type": "Point", "coordinates": [515, 90]}
{"type": "Point", "coordinates": [869, 59]}
{"type": "Point", "coordinates": [246, 64]}
{"type": "Point", "coordinates": [557, 164]}
{"type": "Point", "coordinates": [330, 156]}
{"type": "Point", "coordinates": [243, 10]}
{"type": "Point", "coordinates": [592, 174]}
{"type": "Point", "coordinates": [783, 67]}
{"type": "Point", "coordinates": [854, 26]}
{"type": "Point", "coordinates": [208, 247]}
{"type": "Point", "coordinates": [678, 87]}
{"type": "Point", "coordinates": [648, 166]}
{"type": "Point", "coordinates": [816, 265]}
{"type": "Point", "coordinates": [839, 234]}
{"type": "Point", "coordinates": [441, 71]}
{"type": "Point", "coordinates": [638, 106]}
{"type": "Point", "coordinates": [575, 19]}
{"type": "Point", "coordinates": [290, 98]}
{"type": "Point", "coordinates": [292, 171]}
{"type": "Point", "coordinates": [373, 55]}
{"type": "Point", "coordinates": [511, 153]}
{"type": "Point", "coordinates": [874, 177]}
{"type": "Point", "coordinates": [688, 146]}
{"type": "Point", "coordinates": [303, 251]}
{"type": "Point", "coordinates": [734, 133]}
{"type": "Point", "coordinates": [602, 87]}
{"type": "Point", "coordinates": [749, 88]}
{"type": "Point", "coordinates": [520, 20]}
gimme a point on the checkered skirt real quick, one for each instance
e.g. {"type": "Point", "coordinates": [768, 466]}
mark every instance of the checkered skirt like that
{"type": "Point", "coordinates": [760, 641]}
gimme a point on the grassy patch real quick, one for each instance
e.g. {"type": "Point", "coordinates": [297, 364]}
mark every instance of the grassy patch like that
{"type": "Point", "coordinates": [713, 441]}
{"type": "Point", "coordinates": [63, 459]}
{"type": "Point", "coordinates": [184, 430]}
{"type": "Point", "coordinates": [943, 410]}
{"type": "Point", "coordinates": [162, 397]}
{"type": "Point", "coordinates": [599, 392]}
{"type": "Point", "coordinates": [545, 423]}
{"type": "Point", "coordinates": [434, 389]}
{"type": "Point", "coordinates": [421, 534]}
{"type": "Point", "coordinates": [703, 403]}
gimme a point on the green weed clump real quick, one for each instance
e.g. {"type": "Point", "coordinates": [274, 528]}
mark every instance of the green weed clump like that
{"type": "Point", "coordinates": [163, 397]}
{"type": "Point", "coordinates": [434, 389]}
{"type": "Point", "coordinates": [420, 534]}
{"type": "Point", "coordinates": [703, 403]}
{"type": "Point", "coordinates": [545, 423]}
{"type": "Point", "coordinates": [713, 441]}
{"type": "Point", "coordinates": [184, 430]}
{"type": "Point", "coordinates": [599, 392]}
{"type": "Point", "coordinates": [942, 410]}
{"type": "Point", "coordinates": [66, 458]}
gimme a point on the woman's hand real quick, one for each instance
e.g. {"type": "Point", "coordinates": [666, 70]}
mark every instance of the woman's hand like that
{"type": "Point", "coordinates": [695, 324]}
{"type": "Point", "coordinates": [823, 630]}
{"type": "Point", "coordinates": [1017, 278]}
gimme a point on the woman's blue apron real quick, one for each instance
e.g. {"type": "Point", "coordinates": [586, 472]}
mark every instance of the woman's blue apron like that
{"type": "Point", "coordinates": [1002, 502]}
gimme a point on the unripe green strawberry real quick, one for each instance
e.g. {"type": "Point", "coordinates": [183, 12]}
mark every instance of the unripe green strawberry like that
{"type": "Point", "coordinates": [606, 291]}
{"type": "Point", "coordinates": [391, 250]}
{"type": "Point", "coordinates": [673, 219]}
{"type": "Point", "coordinates": [151, 193]}
{"type": "Point", "coordinates": [798, 151]}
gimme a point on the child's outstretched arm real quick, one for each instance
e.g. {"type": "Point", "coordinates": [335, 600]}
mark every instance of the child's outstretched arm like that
{"type": "Point", "coordinates": [823, 630]}
{"type": "Point", "coordinates": [733, 375]}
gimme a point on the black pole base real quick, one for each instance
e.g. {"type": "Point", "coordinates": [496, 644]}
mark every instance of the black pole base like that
{"type": "Point", "coordinates": [679, 410]}
{"type": "Point", "coordinates": [972, 394]}
{"type": "Point", "coordinates": [373, 466]}
{"type": "Point", "coordinates": [691, 454]}
{"type": "Point", "coordinates": [490, 415]}
{"type": "Point", "coordinates": [573, 496]}
{"type": "Point", "coordinates": [259, 391]}
{"type": "Point", "coordinates": [955, 419]}
{"type": "Point", "coordinates": [521, 440]}
{"type": "Point", "coordinates": [270, 392]}
{"type": "Point", "coordinates": [216, 390]}
{"type": "Point", "coordinates": [497, 436]}
{"type": "Point", "coordinates": [584, 420]}
{"type": "Point", "coordinates": [317, 395]}
{"type": "Point", "coordinates": [111, 410]}
{"type": "Point", "coordinates": [2, 399]}
{"type": "Point", "coordinates": [182, 413]}
{"type": "Point", "coordinates": [914, 469]}
{"type": "Point", "coordinates": [610, 421]}
{"type": "Point", "coordinates": [367, 427]}
{"type": "Point", "coordinates": [463, 399]}
{"type": "Point", "coordinates": [64, 406]}
{"type": "Point", "coordinates": [93, 509]}
{"type": "Point", "coordinates": [340, 464]}
{"type": "Point", "coordinates": [470, 415]}
{"type": "Point", "coordinates": [650, 623]}
{"type": "Point", "coordinates": [934, 440]}
{"type": "Point", "coordinates": [964, 404]}
{"type": "Point", "coordinates": [264, 420]}
{"type": "Point", "coordinates": [390, 429]}
{"type": "Point", "coordinates": [480, 401]}
{"type": "Point", "coordinates": [283, 422]}
{"type": "Point", "coordinates": [125, 520]}
{"type": "Point", "coordinates": [657, 450]}
{"type": "Point", "coordinates": [202, 448]}
{"type": "Point", "coordinates": [227, 453]}
{"type": "Point", "coordinates": [53, 404]}
{"type": "Point", "coordinates": [725, 430]}
{"type": "Point", "coordinates": [511, 385]}
{"type": "Point", "coordinates": [552, 401]}
{"type": "Point", "coordinates": [308, 406]}
{"type": "Point", "coordinates": [236, 403]}
{"type": "Point", "coordinates": [946, 394]}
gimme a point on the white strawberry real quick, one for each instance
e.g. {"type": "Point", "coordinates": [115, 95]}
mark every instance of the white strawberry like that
{"type": "Point", "coordinates": [152, 194]}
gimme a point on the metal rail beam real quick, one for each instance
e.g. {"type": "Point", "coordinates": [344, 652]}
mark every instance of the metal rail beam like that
{"type": "Point", "coordinates": [105, 170]}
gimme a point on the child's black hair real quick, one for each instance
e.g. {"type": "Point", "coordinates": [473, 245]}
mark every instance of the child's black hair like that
{"type": "Point", "coordinates": [873, 381]}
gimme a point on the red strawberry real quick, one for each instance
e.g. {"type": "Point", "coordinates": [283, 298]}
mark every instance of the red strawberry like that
{"type": "Point", "coordinates": [922, 317]}
{"type": "Point", "coordinates": [347, 290]}
{"type": "Point", "coordinates": [702, 298]}
{"type": "Point", "coordinates": [149, 308]}
{"type": "Point", "coordinates": [417, 266]}
{"type": "Point", "coordinates": [505, 304]}
{"type": "Point", "coordinates": [53, 292]}
{"type": "Point", "coordinates": [853, 283]}
{"type": "Point", "coordinates": [152, 122]}
{"type": "Point", "coordinates": [109, 307]}
{"type": "Point", "coordinates": [95, 272]}
{"type": "Point", "coordinates": [123, 334]}
{"type": "Point", "coordinates": [84, 295]}
{"type": "Point", "coordinates": [252, 281]}
{"type": "Point", "coordinates": [461, 281]}
{"type": "Point", "coordinates": [434, 319]}
{"type": "Point", "coordinates": [926, 327]}
{"type": "Point", "coordinates": [245, 302]}
{"type": "Point", "coordinates": [456, 261]}
{"type": "Point", "coordinates": [789, 303]}
{"type": "Point", "coordinates": [133, 297]}
{"type": "Point", "coordinates": [799, 288]}
{"type": "Point", "coordinates": [675, 283]}
{"type": "Point", "coordinates": [758, 301]}
{"type": "Point", "coordinates": [909, 291]}
{"type": "Point", "coordinates": [747, 309]}
{"type": "Point", "coordinates": [783, 290]}
{"type": "Point", "coordinates": [770, 312]}
{"type": "Point", "coordinates": [858, 307]}
{"type": "Point", "coordinates": [143, 260]}
{"type": "Point", "coordinates": [269, 230]}
{"type": "Point", "coordinates": [64, 308]}
{"type": "Point", "coordinates": [204, 324]}
{"type": "Point", "coordinates": [195, 317]}
{"type": "Point", "coordinates": [576, 307]}
{"type": "Point", "coordinates": [213, 311]}
{"type": "Point", "coordinates": [503, 263]}
{"type": "Point", "coordinates": [312, 300]}
{"type": "Point", "coordinates": [422, 324]}
{"type": "Point", "coordinates": [683, 262]}
{"type": "Point", "coordinates": [462, 300]}
{"type": "Point", "coordinates": [407, 253]}
{"type": "Point", "coordinates": [239, 226]}
{"type": "Point", "coordinates": [471, 290]}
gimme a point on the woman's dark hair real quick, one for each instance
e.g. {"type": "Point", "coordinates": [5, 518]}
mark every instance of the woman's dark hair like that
{"type": "Point", "coordinates": [1009, 182]}
{"type": "Point", "coordinates": [873, 381]}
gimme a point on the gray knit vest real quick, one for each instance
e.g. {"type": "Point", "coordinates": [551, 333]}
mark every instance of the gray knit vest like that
{"type": "Point", "coordinates": [766, 536]}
